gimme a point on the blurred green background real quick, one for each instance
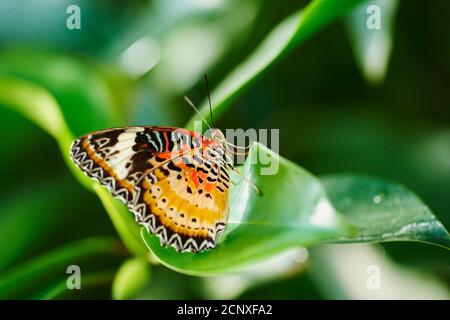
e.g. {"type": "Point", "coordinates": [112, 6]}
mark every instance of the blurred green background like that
{"type": "Point", "coordinates": [132, 62]}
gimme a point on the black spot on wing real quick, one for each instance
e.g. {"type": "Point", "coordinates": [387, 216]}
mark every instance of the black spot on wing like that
{"type": "Point", "coordinates": [105, 139]}
{"type": "Point", "coordinates": [140, 161]}
{"type": "Point", "coordinates": [173, 167]}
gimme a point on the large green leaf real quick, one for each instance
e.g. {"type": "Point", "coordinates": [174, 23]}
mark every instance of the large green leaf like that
{"type": "Point", "coordinates": [295, 210]}
{"type": "Point", "coordinates": [287, 35]}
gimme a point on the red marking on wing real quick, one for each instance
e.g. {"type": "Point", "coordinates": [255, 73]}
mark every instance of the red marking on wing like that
{"type": "Point", "coordinates": [165, 155]}
{"type": "Point", "coordinates": [206, 142]}
{"type": "Point", "coordinates": [167, 140]}
{"type": "Point", "coordinates": [194, 178]}
{"type": "Point", "coordinates": [208, 186]}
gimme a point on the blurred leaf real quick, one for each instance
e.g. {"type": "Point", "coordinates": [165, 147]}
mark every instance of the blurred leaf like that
{"type": "Point", "coordinates": [287, 35]}
{"type": "Point", "coordinates": [200, 42]}
{"type": "Point", "coordinates": [157, 18]}
{"type": "Point", "coordinates": [372, 47]}
{"type": "Point", "coordinates": [43, 23]}
{"type": "Point", "coordinates": [32, 136]}
{"type": "Point", "coordinates": [32, 206]}
{"type": "Point", "coordinates": [29, 277]}
{"type": "Point", "coordinates": [22, 94]}
{"type": "Point", "coordinates": [85, 97]}
{"type": "Point", "coordinates": [292, 211]}
{"type": "Point", "coordinates": [383, 211]}
{"type": "Point", "coordinates": [30, 218]}
{"type": "Point", "coordinates": [298, 287]}
{"type": "Point", "coordinates": [89, 282]}
{"type": "Point", "coordinates": [132, 276]}
{"type": "Point", "coordinates": [39, 106]}
{"type": "Point", "coordinates": [283, 265]}
{"type": "Point", "coordinates": [166, 284]}
{"type": "Point", "coordinates": [339, 279]}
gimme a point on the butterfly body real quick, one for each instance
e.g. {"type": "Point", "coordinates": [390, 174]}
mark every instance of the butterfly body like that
{"type": "Point", "coordinates": [175, 181]}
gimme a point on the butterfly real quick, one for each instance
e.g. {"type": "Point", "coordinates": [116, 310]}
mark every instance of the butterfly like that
{"type": "Point", "coordinates": [174, 181]}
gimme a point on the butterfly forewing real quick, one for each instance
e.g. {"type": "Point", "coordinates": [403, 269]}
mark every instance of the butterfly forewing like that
{"type": "Point", "coordinates": [174, 180]}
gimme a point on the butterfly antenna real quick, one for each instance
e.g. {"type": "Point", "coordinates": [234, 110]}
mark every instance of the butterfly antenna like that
{"type": "Point", "coordinates": [236, 146]}
{"type": "Point", "coordinates": [258, 191]}
{"type": "Point", "coordinates": [211, 114]}
{"type": "Point", "coordinates": [196, 110]}
{"type": "Point", "coordinates": [209, 100]}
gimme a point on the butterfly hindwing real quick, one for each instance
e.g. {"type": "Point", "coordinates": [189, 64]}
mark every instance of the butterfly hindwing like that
{"type": "Point", "coordinates": [168, 177]}
{"type": "Point", "coordinates": [188, 207]}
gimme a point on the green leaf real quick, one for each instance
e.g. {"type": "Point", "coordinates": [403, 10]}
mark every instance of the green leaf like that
{"type": "Point", "coordinates": [292, 211]}
{"type": "Point", "coordinates": [33, 274]}
{"type": "Point", "coordinates": [383, 211]}
{"type": "Point", "coordinates": [290, 33]}
{"type": "Point", "coordinates": [36, 104]}
{"type": "Point", "coordinates": [132, 277]}
{"type": "Point", "coordinates": [372, 47]}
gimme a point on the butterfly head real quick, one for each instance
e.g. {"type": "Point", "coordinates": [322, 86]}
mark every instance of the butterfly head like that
{"type": "Point", "coordinates": [219, 138]}
{"type": "Point", "coordinates": [216, 134]}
